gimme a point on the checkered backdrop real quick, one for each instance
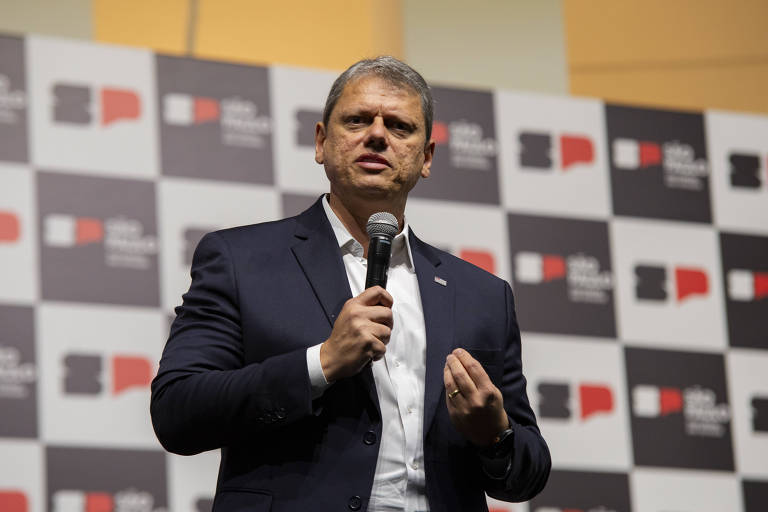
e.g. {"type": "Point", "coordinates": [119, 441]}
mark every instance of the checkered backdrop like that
{"type": "Point", "coordinates": [636, 241]}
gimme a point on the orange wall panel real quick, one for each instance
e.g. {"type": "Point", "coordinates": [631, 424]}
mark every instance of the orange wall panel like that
{"type": "Point", "coordinates": [159, 25]}
{"type": "Point", "coordinates": [676, 53]}
{"type": "Point", "coordinates": [330, 34]}
{"type": "Point", "coordinates": [645, 31]}
{"type": "Point", "coordinates": [736, 88]}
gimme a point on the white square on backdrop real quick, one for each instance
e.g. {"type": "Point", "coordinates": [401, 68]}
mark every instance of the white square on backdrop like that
{"type": "Point", "coordinates": [575, 180]}
{"type": "Point", "coordinates": [589, 373]}
{"type": "Point", "coordinates": [669, 288]}
{"type": "Point", "coordinates": [92, 107]}
{"type": "Point", "coordinates": [95, 364]}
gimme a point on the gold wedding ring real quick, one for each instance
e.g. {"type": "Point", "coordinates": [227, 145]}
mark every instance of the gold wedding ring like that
{"type": "Point", "coordinates": [454, 393]}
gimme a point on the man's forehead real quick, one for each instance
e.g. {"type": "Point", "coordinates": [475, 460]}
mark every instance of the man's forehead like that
{"type": "Point", "coordinates": [397, 88]}
{"type": "Point", "coordinates": [398, 92]}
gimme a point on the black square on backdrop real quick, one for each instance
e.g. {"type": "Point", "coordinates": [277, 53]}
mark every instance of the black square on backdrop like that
{"type": "Point", "coordinates": [13, 100]}
{"type": "Point", "coordinates": [215, 120]}
{"type": "Point", "coordinates": [18, 372]}
{"type": "Point", "coordinates": [98, 239]}
{"type": "Point", "coordinates": [119, 477]}
{"type": "Point", "coordinates": [680, 414]}
{"type": "Point", "coordinates": [465, 166]}
{"type": "Point", "coordinates": [574, 292]}
{"type": "Point", "coordinates": [755, 495]}
{"type": "Point", "coordinates": [659, 166]}
{"type": "Point", "coordinates": [745, 275]}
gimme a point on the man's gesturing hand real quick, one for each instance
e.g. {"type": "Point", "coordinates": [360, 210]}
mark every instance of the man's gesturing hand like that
{"type": "Point", "coordinates": [360, 334]}
{"type": "Point", "coordinates": [477, 410]}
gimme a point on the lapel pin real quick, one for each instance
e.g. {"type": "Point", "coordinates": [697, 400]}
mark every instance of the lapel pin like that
{"type": "Point", "coordinates": [440, 280]}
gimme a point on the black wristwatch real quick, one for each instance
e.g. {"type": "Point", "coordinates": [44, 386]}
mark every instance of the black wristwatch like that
{"type": "Point", "coordinates": [496, 458]}
{"type": "Point", "coordinates": [502, 445]}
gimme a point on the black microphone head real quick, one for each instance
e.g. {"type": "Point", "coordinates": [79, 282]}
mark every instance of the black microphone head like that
{"type": "Point", "coordinates": [382, 224]}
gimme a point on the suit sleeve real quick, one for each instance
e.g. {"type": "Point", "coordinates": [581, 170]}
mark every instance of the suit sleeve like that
{"type": "Point", "coordinates": [530, 459]}
{"type": "Point", "coordinates": [204, 397]}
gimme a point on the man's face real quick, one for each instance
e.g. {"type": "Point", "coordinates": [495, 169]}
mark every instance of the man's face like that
{"type": "Point", "coordinates": [374, 146]}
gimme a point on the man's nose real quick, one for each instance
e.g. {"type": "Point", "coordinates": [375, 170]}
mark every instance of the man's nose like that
{"type": "Point", "coordinates": [376, 138]}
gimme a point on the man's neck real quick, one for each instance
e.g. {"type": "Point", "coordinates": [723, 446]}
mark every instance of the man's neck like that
{"type": "Point", "coordinates": [355, 214]}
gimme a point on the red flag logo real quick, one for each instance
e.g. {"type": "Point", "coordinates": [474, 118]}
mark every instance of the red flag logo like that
{"type": "Point", "coordinates": [118, 104]}
{"type": "Point", "coordinates": [595, 399]}
{"type": "Point", "coordinates": [13, 501]}
{"type": "Point", "coordinates": [130, 372]}
{"type": "Point", "coordinates": [575, 149]}
{"type": "Point", "coordinates": [9, 227]}
{"type": "Point", "coordinates": [690, 281]}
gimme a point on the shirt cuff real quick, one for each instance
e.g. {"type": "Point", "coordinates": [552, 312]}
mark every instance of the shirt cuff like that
{"type": "Point", "coordinates": [317, 380]}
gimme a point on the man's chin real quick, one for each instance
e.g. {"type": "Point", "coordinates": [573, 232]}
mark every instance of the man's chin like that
{"type": "Point", "coordinates": [373, 194]}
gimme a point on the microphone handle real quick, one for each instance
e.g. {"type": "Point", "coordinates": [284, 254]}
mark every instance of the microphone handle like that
{"type": "Point", "coordinates": [379, 253]}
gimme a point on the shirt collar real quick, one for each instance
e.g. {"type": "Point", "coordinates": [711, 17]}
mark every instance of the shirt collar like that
{"type": "Point", "coordinates": [401, 244]}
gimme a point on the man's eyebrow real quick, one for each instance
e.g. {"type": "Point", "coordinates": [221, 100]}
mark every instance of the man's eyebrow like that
{"type": "Point", "coordinates": [400, 116]}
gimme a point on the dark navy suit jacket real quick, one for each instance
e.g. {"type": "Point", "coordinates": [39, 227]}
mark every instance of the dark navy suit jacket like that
{"type": "Point", "coordinates": [234, 375]}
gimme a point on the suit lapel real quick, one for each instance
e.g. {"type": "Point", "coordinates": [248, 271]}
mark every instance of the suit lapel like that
{"type": "Point", "coordinates": [319, 256]}
{"type": "Point", "coordinates": [437, 301]}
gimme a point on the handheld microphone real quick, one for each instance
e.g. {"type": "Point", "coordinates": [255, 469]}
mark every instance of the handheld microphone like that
{"type": "Point", "coordinates": [382, 228]}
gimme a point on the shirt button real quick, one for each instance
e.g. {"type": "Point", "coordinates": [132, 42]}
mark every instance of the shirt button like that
{"type": "Point", "coordinates": [410, 410]}
{"type": "Point", "coordinates": [397, 363]}
{"type": "Point", "coordinates": [354, 503]}
{"type": "Point", "coordinates": [414, 465]}
{"type": "Point", "coordinates": [369, 437]}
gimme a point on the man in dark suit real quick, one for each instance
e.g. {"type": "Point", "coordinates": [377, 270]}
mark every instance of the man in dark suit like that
{"type": "Point", "coordinates": [325, 396]}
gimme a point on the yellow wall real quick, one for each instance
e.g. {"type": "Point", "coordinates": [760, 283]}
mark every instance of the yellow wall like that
{"type": "Point", "coordinates": [157, 24]}
{"type": "Point", "coordinates": [513, 44]}
{"type": "Point", "coordinates": [691, 54]}
{"type": "Point", "coordinates": [329, 34]}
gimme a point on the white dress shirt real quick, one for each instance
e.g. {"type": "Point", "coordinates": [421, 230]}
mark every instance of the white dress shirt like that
{"type": "Point", "coordinates": [398, 483]}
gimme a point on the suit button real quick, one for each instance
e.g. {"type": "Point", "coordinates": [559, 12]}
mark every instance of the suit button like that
{"type": "Point", "coordinates": [354, 503]}
{"type": "Point", "coordinates": [280, 413]}
{"type": "Point", "coordinates": [369, 437]}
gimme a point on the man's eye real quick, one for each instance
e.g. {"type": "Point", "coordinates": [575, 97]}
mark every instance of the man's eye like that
{"type": "Point", "coordinates": [402, 127]}
{"type": "Point", "coordinates": [355, 119]}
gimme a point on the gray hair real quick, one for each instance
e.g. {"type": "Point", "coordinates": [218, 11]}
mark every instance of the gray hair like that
{"type": "Point", "coordinates": [393, 71]}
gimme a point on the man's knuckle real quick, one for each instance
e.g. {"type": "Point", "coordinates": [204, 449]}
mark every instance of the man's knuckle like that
{"type": "Point", "coordinates": [474, 366]}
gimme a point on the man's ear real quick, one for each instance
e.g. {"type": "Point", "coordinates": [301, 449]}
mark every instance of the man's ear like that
{"type": "Point", "coordinates": [319, 141]}
{"type": "Point", "coordinates": [429, 153]}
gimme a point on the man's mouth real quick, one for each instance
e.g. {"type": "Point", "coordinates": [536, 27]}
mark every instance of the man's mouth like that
{"type": "Point", "coordinates": [372, 161]}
